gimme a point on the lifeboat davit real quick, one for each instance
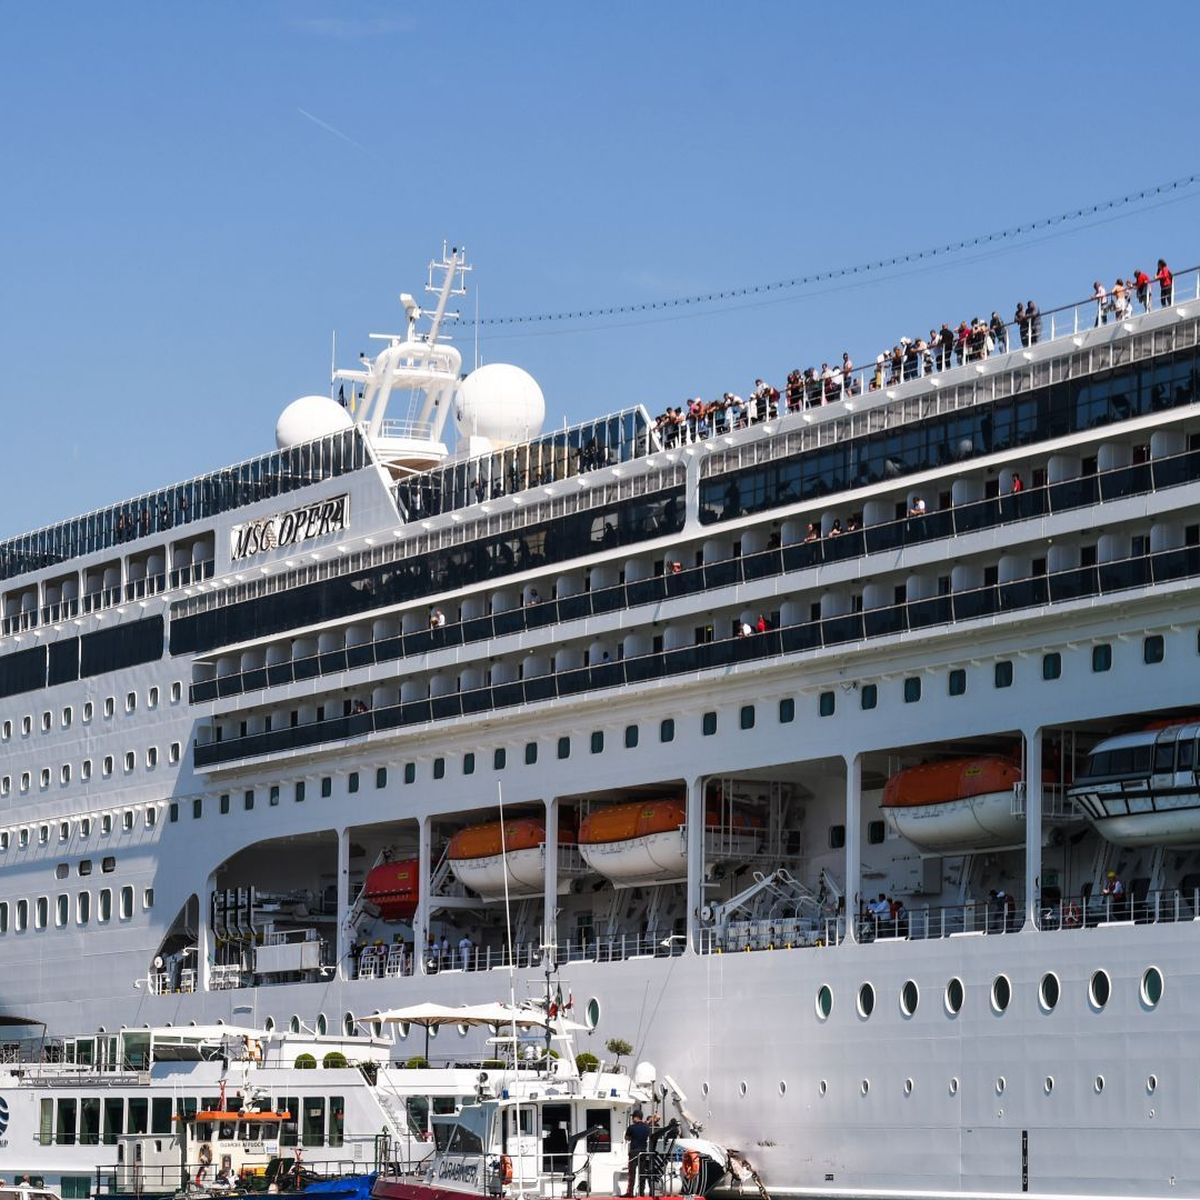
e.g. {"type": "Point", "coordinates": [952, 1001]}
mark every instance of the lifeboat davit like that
{"type": "Point", "coordinates": [480, 854]}
{"type": "Point", "coordinates": [957, 805]}
{"type": "Point", "coordinates": [393, 887]}
{"type": "Point", "coordinates": [645, 841]}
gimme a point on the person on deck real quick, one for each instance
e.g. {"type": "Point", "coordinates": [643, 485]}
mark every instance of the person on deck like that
{"type": "Point", "coordinates": [637, 1138]}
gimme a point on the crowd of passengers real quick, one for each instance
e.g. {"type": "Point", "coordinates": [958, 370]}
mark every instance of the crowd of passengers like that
{"type": "Point", "coordinates": [910, 358]}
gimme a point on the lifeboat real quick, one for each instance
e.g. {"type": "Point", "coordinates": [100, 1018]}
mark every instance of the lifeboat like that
{"type": "Point", "coordinates": [646, 841]}
{"type": "Point", "coordinates": [479, 856]}
{"type": "Point", "coordinates": [957, 805]}
{"type": "Point", "coordinates": [393, 888]}
{"type": "Point", "coordinates": [1140, 789]}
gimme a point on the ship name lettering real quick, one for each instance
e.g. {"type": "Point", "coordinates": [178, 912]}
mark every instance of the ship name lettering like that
{"type": "Point", "coordinates": [460, 1172]}
{"type": "Point", "coordinates": [281, 530]}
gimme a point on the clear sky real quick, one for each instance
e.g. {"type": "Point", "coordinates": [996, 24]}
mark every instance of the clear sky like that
{"type": "Point", "coordinates": [194, 196]}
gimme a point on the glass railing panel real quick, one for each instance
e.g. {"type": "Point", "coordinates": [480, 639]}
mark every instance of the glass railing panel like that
{"type": "Point", "coordinates": [848, 628]}
{"type": "Point", "coordinates": [878, 622]}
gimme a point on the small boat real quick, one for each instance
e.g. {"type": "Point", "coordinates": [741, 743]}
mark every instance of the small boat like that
{"type": "Point", "coordinates": [957, 805]}
{"type": "Point", "coordinates": [482, 855]}
{"type": "Point", "coordinates": [394, 888]}
{"type": "Point", "coordinates": [1141, 789]}
{"type": "Point", "coordinates": [645, 841]}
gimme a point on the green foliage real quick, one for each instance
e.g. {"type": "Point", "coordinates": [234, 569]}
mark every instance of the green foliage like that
{"type": "Point", "coordinates": [333, 1060]}
{"type": "Point", "coordinates": [305, 1062]}
{"type": "Point", "coordinates": [417, 1063]}
{"type": "Point", "coordinates": [586, 1061]}
{"type": "Point", "coordinates": [618, 1047]}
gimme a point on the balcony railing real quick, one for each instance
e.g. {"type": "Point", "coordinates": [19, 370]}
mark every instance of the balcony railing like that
{"type": "Point", "coordinates": [1067, 495]}
{"type": "Point", "coordinates": [1103, 579]}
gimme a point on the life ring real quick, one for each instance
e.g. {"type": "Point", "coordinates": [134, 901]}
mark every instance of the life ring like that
{"type": "Point", "coordinates": [206, 1155]}
{"type": "Point", "coordinates": [690, 1169]}
{"type": "Point", "coordinates": [505, 1169]}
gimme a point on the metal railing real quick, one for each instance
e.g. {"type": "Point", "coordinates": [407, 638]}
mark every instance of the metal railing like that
{"type": "Point", "coordinates": [919, 360]}
{"type": "Point", "coordinates": [1086, 491]}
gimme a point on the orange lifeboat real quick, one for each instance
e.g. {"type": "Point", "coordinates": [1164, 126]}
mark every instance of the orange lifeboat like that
{"type": "Point", "coordinates": [645, 841]}
{"type": "Point", "coordinates": [393, 887]}
{"type": "Point", "coordinates": [956, 805]}
{"type": "Point", "coordinates": [481, 855]}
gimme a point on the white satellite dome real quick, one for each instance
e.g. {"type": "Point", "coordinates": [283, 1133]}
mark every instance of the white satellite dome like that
{"type": "Point", "coordinates": [308, 418]}
{"type": "Point", "coordinates": [500, 402]}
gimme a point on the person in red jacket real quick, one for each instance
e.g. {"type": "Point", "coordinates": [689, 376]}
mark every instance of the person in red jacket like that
{"type": "Point", "coordinates": [1141, 281]}
{"type": "Point", "coordinates": [1166, 283]}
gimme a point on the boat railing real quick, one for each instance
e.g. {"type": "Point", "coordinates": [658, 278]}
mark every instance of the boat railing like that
{"type": "Point", "coordinates": [835, 387]}
{"type": "Point", "coordinates": [1057, 804]}
{"type": "Point", "coordinates": [417, 430]}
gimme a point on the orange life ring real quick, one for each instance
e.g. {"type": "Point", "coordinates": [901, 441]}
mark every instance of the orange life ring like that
{"type": "Point", "coordinates": [505, 1169]}
{"type": "Point", "coordinates": [691, 1164]}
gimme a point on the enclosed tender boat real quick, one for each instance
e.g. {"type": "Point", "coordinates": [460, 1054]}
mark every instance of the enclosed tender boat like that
{"type": "Point", "coordinates": [1141, 789]}
{"type": "Point", "coordinates": [393, 888]}
{"type": "Point", "coordinates": [956, 805]}
{"type": "Point", "coordinates": [482, 855]}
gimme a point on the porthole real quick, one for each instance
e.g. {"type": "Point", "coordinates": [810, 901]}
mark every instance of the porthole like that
{"type": "Point", "coordinates": [866, 1000]}
{"type": "Point", "coordinates": [1001, 1084]}
{"type": "Point", "coordinates": [864, 1087]}
{"type": "Point", "coordinates": [322, 1025]}
{"type": "Point", "coordinates": [1048, 1084]}
{"type": "Point", "coordinates": [822, 1087]}
{"type": "Point", "coordinates": [783, 1087]}
{"type": "Point", "coordinates": [1098, 1084]}
{"type": "Point", "coordinates": [591, 1014]}
{"type": "Point", "coordinates": [1048, 992]}
{"type": "Point", "coordinates": [1001, 993]}
{"type": "Point", "coordinates": [954, 996]}
{"type": "Point", "coordinates": [824, 1002]}
{"type": "Point", "coordinates": [742, 1088]}
{"type": "Point", "coordinates": [909, 998]}
{"type": "Point", "coordinates": [1151, 1084]}
{"type": "Point", "coordinates": [1152, 987]}
{"type": "Point", "coordinates": [704, 1088]}
{"type": "Point", "coordinates": [1099, 989]}
{"type": "Point", "coordinates": [954, 1085]}
{"type": "Point", "coordinates": [294, 1024]}
{"type": "Point", "coordinates": [908, 1087]}
{"type": "Point", "coordinates": [348, 1027]}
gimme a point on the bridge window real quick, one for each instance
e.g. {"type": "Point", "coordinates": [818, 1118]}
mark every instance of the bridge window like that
{"type": "Point", "coordinates": [1152, 649]}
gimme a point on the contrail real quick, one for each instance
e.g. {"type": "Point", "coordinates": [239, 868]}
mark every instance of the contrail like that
{"type": "Point", "coordinates": [336, 132]}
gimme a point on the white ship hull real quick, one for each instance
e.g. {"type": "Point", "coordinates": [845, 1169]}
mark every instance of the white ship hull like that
{"type": "Point", "coordinates": [972, 823]}
{"type": "Point", "coordinates": [525, 871]}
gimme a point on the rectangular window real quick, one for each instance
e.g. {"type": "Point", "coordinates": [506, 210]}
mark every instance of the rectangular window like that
{"type": "Point", "coordinates": [564, 747]}
{"type": "Point", "coordinates": [531, 753]}
{"type": "Point", "coordinates": [631, 737]}
{"type": "Point", "coordinates": [352, 783]}
{"type": "Point", "coordinates": [337, 1121]}
{"type": "Point", "coordinates": [499, 758]}
{"type": "Point", "coordinates": [666, 729]}
{"type": "Point", "coordinates": [65, 1124]}
{"type": "Point", "coordinates": [868, 695]}
{"type": "Point", "coordinates": [76, 1187]}
{"type": "Point", "coordinates": [1052, 665]}
{"type": "Point", "coordinates": [289, 1130]}
{"type": "Point", "coordinates": [598, 741]}
{"type": "Point", "coordinates": [248, 799]}
{"type": "Point", "coordinates": [300, 791]}
{"type": "Point", "coordinates": [837, 837]}
{"type": "Point", "coordinates": [139, 1114]}
{"type": "Point", "coordinates": [410, 773]}
{"type": "Point", "coordinates": [160, 1114]}
{"type": "Point", "coordinates": [273, 795]}
{"type": "Point", "coordinates": [1152, 649]}
{"type": "Point", "coordinates": [787, 710]}
{"type": "Point", "coordinates": [1102, 657]}
{"type": "Point", "coordinates": [173, 812]}
{"type": "Point", "coordinates": [912, 689]}
{"type": "Point", "coordinates": [826, 703]}
{"type": "Point", "coordinates": [197, 808]}
{"type": "Point", "coordinates": [876, 832]}
{"type": "Point", "coordinates": [381, 777]}
{"type": "Point", "coordinates": [746, 716]}
{"type": "Point", "coordinates": [46, 1123]}
{"type": "Point", "coordinates": [313, 1133]}
{"type": "Point", "coordinates": [1003, 673]}
{"type": "Point", "coordinates": [957, 682]}
{"type": "Point", "coordinates": [326, 786]}
{"type": "Point", "coordinates": [223, 803]}
{"type": "Point", "coordinates": [469, 763]}
{"type": "Point", "coordinates": [708, 724]}
{"type": "Point", "coordinates": [439, 768]}
{"type": "Point", "coordinates": [114, 1119]}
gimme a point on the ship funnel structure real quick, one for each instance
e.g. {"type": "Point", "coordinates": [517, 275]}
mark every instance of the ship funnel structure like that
{"type": "Point", "coordinates": [404, 393]}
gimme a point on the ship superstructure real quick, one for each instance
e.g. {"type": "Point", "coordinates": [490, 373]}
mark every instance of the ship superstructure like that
{"type": "Point", "coordinates": [284, 744]}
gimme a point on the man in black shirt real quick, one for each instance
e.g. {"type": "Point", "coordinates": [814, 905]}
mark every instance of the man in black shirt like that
{"type": "Point", "coordinates": [637, 1136]}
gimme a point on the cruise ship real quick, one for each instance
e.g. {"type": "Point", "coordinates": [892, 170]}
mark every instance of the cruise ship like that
{"type": "Point", "coordinates": [839, 747]}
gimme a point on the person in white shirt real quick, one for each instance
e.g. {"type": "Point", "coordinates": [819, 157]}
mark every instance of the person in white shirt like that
{"type": "Point", "coordinates": [1101, 297]}
{"type": "Point", "coordinates": [465, 947]}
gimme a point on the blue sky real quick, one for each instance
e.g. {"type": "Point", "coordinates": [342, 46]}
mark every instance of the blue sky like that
{"type": "Point", "coordinates": [180, 239]}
